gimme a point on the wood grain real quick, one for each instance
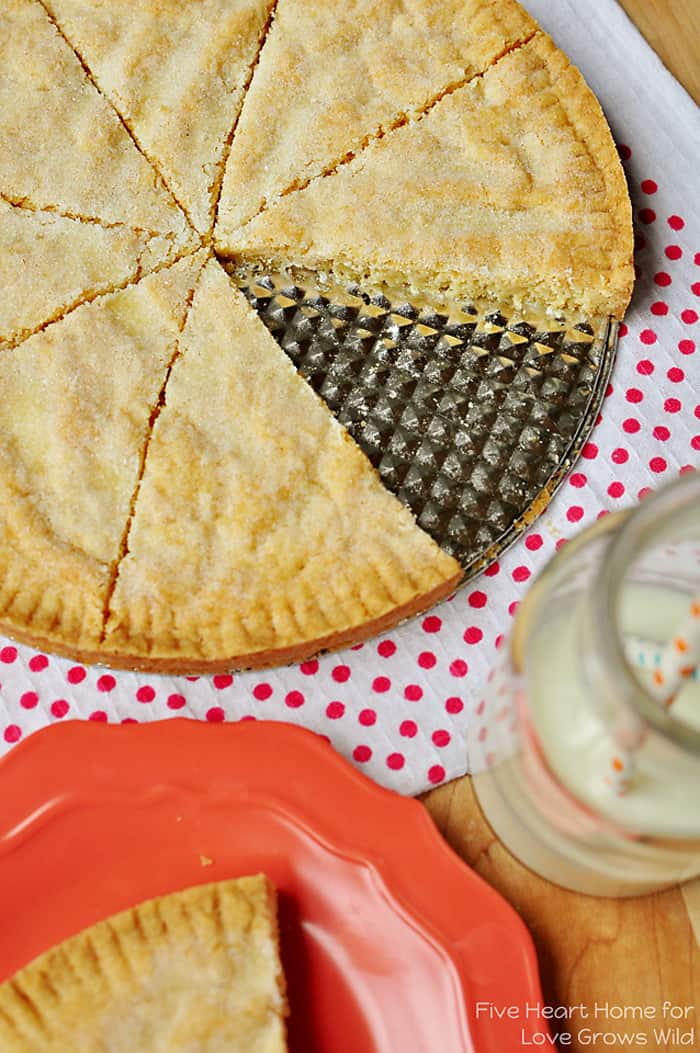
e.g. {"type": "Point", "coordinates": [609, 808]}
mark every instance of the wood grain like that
{"type": "Point", "coordinates": [672, 27]}
{"type": "Point", "coordinates": [626, 952]}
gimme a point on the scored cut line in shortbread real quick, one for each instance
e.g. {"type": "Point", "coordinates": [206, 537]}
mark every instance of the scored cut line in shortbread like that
{"type": "Point", "coordinates": [261, 532]}
{"type": "Point", "coordinates": [399, 122]}
{"type": "Point", "coordinates": [129, 131]}
{"type": "Point", "coordinates": [509, 189]}
{"type": "Point", "coordinates": [332, 78]}
{"type": "Point", "coordinates": [61, 143]}
{"type": "Point", "coordinates": [72, 426]}
{"type": "Point", "coordinates": [221, 170]}
{"type": "Point", "coordinates": [100, 291]}
{"type": "Point", "coordinates": [177, 74]}
{"type": "Point", "coordinates": [26, 204]}
{"type": "Point", "coordinates": [156, 410]}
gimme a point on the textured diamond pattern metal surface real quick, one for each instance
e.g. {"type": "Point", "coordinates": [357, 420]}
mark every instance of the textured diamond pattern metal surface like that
{"type": "Point", "coordinates": [471, 418]}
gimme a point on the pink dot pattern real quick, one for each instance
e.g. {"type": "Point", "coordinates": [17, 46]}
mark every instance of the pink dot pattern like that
{"type": "Point", "coordinates": [398, 707]}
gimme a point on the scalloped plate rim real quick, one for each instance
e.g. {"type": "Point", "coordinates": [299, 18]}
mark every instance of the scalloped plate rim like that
{"type": "Point", "coordinates": [388, 807]}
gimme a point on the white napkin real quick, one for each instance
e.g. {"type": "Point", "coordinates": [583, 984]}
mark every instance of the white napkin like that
{"type": "Point", "coordinates": [399, 706]}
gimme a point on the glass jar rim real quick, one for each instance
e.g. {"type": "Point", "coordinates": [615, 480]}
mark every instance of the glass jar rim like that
{"type": "Point", "coordinates": [641, 526]}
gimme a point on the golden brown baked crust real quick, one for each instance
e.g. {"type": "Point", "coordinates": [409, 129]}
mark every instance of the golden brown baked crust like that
{"type": "Point", "coordinates": [333, 75]}
{"type": "Point", "coordinates": [75, 406]}
{"type": "Point", "coordinates": [50, 264]}
{"type": "Point", "coordinates": [194, 970]}
{"type": "Point", "coordinates": [251, 531]}
{"type": "Point", "coordinates": [259, 525]}
{"type": "Point", "coordinates": [176, 72]}
{"type": "Point", "coordinates": [130, 658]}
{"type": "Point", "coordinates": [61, 144]}
{"type": "Point", "coordinates": [510, 189]}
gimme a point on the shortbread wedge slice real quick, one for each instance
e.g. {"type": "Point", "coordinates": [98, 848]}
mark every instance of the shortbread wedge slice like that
{"type": "Point", "coordinates": [176, 72]}
{"type": "Point", "coordinates": [261, 533]}
{"type": "Point", "coordinates": [62, 146]}
{"type": "Point", "coordinates": [193, 970]}
{"type": "Point", "coordinates": [333, 76]}
{"type": "Point", "coordinates": [510, 189]}
{"type": "Point", "coordinates": [75, 406]}
{"type": "Point", "coordinates": [50, 264]}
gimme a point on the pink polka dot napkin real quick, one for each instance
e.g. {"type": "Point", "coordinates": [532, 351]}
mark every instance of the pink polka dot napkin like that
{"type": "Point", "coordinates": [399, 706]}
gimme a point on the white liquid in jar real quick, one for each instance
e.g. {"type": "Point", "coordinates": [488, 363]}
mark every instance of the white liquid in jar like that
{"type": "Point", "coordinates": [578, 745]}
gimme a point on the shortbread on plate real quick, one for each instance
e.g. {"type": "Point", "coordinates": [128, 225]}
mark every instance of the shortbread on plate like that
{"type": "Point", "coordinates": [193, 971]}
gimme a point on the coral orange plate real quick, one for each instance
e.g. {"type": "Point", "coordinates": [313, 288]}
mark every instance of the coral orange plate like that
{"type": "Point", "coordinates": [389, 941]}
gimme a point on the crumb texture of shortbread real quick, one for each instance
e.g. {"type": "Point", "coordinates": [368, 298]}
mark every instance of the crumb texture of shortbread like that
{"type": "Point", "coordinates": [334, 75]}
{"type": "Point", "coordinates": [176, 72]}
{"type": "Point", "coordinates": [510, 189]}
{"type": "Point", "coordinates": [61, 143]}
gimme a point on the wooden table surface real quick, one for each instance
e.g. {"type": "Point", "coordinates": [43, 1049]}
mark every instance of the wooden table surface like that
{"type": "Point", "coordinates": [672, 27]}
{"type": "Point", "coordinates": [635, 952]}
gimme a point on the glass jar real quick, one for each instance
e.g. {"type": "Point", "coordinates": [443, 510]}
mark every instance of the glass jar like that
{"type": "Point", "coordinates": [574, 693]}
